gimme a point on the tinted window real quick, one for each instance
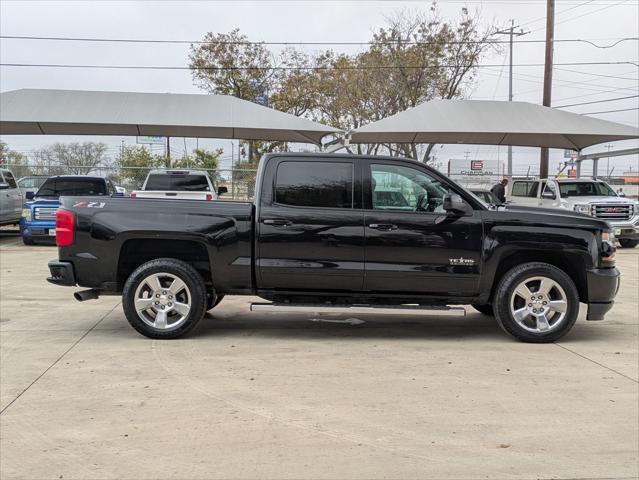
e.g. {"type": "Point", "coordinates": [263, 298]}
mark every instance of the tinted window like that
{"type": "Point", "coordinates": [585, 189]}
{"type": "Point", "coordinates": [171, 181]}
{"type": "Point", "coordinates": [315, 184]}
{"type": "Point", "coordinates": [524, 189]}
{"type": "Point", "coordinates": [396, 187]}
{"type": "Point", "coordinates": [56, 187]}
{"type": "Point", "coordinates": [8, 177]}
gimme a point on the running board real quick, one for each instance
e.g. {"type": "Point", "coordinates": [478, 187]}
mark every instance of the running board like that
{"type": "Point", "coordinates": [358, 309]}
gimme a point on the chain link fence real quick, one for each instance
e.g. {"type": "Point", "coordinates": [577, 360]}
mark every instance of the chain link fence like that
{"type": "Point", "coordinates": [239, 183]}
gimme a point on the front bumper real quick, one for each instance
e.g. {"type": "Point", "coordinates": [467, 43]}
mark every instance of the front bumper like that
{"type": "Point", "coordinates": [603, 285]}
{"type": "Point", "coordinates": [62, 273]}
{"type": "Point", "coordinates": [626, 230]}
{"type": "Point", "coordinates": [35, 230]}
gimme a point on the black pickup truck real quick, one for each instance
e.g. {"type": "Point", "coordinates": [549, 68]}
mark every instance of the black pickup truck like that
{"type": "Point", "coordinates": [339, 233]}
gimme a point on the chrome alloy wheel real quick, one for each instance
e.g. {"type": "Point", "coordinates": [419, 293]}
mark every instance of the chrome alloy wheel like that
{"type": "Point", "coordinates": [539, 304]}
{"type": "Point", "coordinates": [163, 301]}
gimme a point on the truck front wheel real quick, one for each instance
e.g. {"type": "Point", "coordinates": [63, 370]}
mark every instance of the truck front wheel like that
{"type": "Point", "coordinates": [536, 302]}
{"type": "Point", "coordinates": [164, 298]}
{"type": "Point", "coordinates": [628, 243]}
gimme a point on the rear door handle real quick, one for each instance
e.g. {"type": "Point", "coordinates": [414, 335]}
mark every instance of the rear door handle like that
{"type": "Point", "coordinates": [386, 227]}
{"type": "Point", "coordinates": [276, 222]}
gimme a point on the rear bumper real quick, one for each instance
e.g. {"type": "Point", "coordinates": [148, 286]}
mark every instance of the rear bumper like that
{"type": "Point", "coordinates": [603, 285]}
{"type": "Point", "coordinates": [62, 273]}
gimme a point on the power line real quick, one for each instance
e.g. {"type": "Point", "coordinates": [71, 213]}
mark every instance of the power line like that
{"type": "Point", "coordinates": [247, 42]}
{"type": "Point", "coordinates": [611, 111]}
{"type": "Point", "coordinates": [584, 14]}
{"type": "Point", "coordinates": [617, 77]}
{"type": "Point", "coordinates": [375, 67]}
{"type": "Point", "coordinates": [596, 101]}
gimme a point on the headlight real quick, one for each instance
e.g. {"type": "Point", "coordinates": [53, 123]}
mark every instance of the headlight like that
{"type": "Point", "coordinates": [26, 214]}
{"type": "Point", "coordinates": [585, 209]}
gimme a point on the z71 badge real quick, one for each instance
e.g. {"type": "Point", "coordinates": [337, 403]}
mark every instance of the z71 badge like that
{"type": "Point", "coordinates": [461, 261]}
{"type": "Point", "coordinates": [89, 205]}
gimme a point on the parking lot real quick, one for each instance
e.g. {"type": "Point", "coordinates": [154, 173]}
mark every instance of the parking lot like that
{"type": "Point", "coordinates": [254, 395]}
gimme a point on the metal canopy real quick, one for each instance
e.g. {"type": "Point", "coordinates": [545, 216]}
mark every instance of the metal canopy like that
{"type": "Point", "coordinates": [492, 123]}
{"type": "Point", "coordinates": [77, 112]}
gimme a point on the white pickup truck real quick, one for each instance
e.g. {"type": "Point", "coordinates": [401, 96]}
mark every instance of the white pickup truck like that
{"type": "Point", "coordinates": [591, 197]}
{"type": "Point", "coordinates": [179, 184]}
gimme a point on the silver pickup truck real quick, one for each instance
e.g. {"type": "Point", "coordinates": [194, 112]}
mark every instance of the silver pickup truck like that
{"type": "Point", "coordinates": [591, 197]}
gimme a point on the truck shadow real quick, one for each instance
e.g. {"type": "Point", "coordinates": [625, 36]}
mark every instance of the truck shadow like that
{"type": "Point", "coordinates": [473, 326]}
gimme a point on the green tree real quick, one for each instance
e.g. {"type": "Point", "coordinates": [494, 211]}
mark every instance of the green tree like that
{"type": "Point", "coordinates": [202, 159]}
{"type": "Point", "coordinates": [135, 162]}
{"type": "Point", "coordinates": [17, 162]}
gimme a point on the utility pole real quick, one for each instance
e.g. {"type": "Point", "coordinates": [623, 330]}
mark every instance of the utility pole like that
{"type": "Point", "coordinates": [550, 37]}
{"type": "Point", "coordinates": [168, 152]}
{"type": "Point", "coordinates": [608, 147]}
{"type": "Point", "coordinates": [511, 33]}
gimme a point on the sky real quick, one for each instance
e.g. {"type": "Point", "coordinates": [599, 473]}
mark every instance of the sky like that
{"type": "Point", "coordinates": [602, 22]}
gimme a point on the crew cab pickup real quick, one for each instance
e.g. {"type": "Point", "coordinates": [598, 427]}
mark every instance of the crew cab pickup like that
{"type": "Point", "coordinates": [320, 237]}
{"type": "Point", "coordinates": [179, 184]}
{"type": "Point", "coordinates": [582, 195]}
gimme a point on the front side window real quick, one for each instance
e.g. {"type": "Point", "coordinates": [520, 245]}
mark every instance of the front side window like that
{"type": "Point", "coordinates": [8, 177]}
{"type": "Point", "coordinates": [524, 189]}
{"type": "Point", "coordinates": [396, 187]}
{"type": "Point", "coordinates": [57, 187]}
{"type": "Point", "coordinates": [315, 184]}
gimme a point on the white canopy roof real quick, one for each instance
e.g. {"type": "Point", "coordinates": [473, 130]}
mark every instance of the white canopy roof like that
{"type": "Point", "coordinates": [77, 112]}
{"type": "Point", "coordinates": [492, 123]}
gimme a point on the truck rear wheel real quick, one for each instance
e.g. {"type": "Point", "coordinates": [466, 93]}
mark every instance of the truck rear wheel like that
{"type": "Point", "coordinates": [164, 298]}
{"type": "Point", "coordinates": [628, 243]}
{"type": "Point", "coordinates": [536, 302]}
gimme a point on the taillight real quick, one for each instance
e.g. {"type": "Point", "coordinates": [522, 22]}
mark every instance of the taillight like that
{"type": "Point", "coordinates": [64, 227]}
{"type": "Point", "coordinates": [209, 196]}
{"type": "Point", "coordinates": [133, 195]}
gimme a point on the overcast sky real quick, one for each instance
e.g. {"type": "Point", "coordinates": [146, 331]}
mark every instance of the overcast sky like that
{"type": "Point", "coordinates": [601, 21]}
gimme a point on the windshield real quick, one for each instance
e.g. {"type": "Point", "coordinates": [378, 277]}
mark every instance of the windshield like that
{"type": "Point", "coordinates": [174, 182]}
{"type": "Point", "coordinates": [585, 189]}
{"type": "Point", "coordinates": [56, 187]}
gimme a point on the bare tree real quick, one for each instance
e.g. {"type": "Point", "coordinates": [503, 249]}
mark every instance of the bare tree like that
{"type": "Point", "coordinates": [71, 158]}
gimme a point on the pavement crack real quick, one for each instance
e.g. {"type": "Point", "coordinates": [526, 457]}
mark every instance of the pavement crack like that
{"type": "Point", "coordinates": [597, 363]}
{"type": "Point", "coordinates": [59, 358]}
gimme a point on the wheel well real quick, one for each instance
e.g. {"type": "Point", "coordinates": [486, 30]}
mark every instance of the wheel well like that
{"type": "Point", "coordinates": [572, 265]}
{"type": "Point", "coordinates": [136, 252]}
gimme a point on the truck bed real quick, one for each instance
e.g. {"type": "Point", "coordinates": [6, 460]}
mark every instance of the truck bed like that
{"type": "Point", "coordinates": [111, 226]}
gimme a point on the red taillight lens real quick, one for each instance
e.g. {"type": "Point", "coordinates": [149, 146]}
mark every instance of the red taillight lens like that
{"type": "Point", "coordinates": [64, 227]}
{"type": "Point", "coordinates": [209, 196]}
{"type": "Point", "coordinates": [133, 195]}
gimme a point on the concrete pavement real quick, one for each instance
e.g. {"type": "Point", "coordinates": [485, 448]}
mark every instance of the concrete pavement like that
{"type": "Point", "coordinates": [253, 395]}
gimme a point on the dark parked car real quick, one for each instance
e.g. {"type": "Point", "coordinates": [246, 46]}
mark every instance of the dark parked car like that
{"type": "Point", "coordinates": [319, 238]}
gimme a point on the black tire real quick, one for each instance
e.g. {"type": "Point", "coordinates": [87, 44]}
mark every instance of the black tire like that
{"type": "Point", "coordinates": [486, 309]}
{"type": "Point", "coordinates": [193, 282]}
{"type": "Point", "coordinates": [509, 283]}
{"type": "Point", "coordinates": [628, 243]}
{"type": "Point", "coordinates": [28, 241]}
{"type": "Point", "coordinates": [213, 301]}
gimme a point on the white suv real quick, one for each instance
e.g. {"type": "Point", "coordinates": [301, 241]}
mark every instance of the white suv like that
{"type": "Point", "coordinates": [590, 197]}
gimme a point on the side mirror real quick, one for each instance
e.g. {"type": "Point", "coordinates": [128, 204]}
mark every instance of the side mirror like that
{"type": "Point", "coordinates": [221, 191]}
{"type": "Point", "coordinates": [29, 195]}
{"type": "Point", "coordinates": [549, 195]}
{"type": "Point", "coordinates": [4, 186]}
{"type": "Point", "coordinates": [455, 205]}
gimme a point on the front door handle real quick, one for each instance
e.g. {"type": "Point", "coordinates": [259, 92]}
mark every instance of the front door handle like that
{"type": "Point", "coordinates": [385, 227]}
{"type": "Point", "coordinates": [276, 222]}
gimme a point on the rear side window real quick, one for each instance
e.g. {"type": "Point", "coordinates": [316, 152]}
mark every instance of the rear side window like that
{"type": "Point", "coordinates": [524, 189]}
{"type": "Point", "coordinates": [8, 177]}
{"type": "Point", "coordinates": [315, 184]}
{"type": "Point", "coordinates": [175, 182]}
